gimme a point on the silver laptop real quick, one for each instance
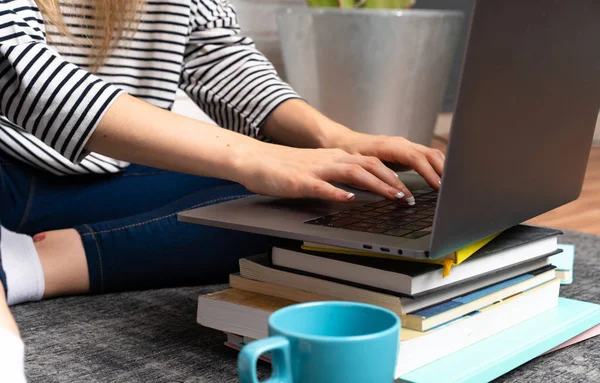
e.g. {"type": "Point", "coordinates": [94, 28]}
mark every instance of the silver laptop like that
{"type": "Point", "coordinates": [521, 135]}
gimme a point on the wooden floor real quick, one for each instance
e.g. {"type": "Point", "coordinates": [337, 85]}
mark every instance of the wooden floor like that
{"type": "Point", "coordinates": [581, 215]}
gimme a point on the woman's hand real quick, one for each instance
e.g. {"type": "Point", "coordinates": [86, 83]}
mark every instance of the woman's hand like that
{"type": "Point", "coordinates": [428, 162]}
{"type": "Point", "coordinates": [295, 123]}
{"type": "Point", "coordinates": [307, 173]}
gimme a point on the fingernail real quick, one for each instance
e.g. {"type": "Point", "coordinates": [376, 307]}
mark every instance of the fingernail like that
{"type": "Point", "coordinates": [396, 174]}
{"type": "Point", "coordinates": [400, 195]}
{"type": "Point", "coordinates": [350, 196]}
{"type": "Point", "coordinates": [440, 182]}
{"type": "Point", "coordinates": [410, 201]}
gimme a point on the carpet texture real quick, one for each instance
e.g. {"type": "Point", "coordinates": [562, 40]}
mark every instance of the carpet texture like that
{"type": "Point", "coordinates": [152, 336]}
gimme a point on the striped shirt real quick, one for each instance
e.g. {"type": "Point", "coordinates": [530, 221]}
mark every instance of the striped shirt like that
{"type": "Point", "coordinates": [50, 103]}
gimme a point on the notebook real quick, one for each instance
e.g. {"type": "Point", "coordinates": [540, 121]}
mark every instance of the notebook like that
{"type": "Point", "coordinates": [431, 315]}
{"type": "Point", "coordinates": [490, 358]}
{"type": "Point", "coordinates": [257, 269]}
{"type": "Point", "coordinates": [514, 246]}
{"type": "Point", "coordinates": [564, 263]}
{"type": "Point", "coordinates": [496, 355]}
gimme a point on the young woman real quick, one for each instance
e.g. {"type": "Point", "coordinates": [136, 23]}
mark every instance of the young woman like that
{"type": "Point", "coordinates": [85, 92]}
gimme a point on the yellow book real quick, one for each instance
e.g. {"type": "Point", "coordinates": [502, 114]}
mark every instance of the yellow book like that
{"type": "Point", "coordinates": [449, 261]}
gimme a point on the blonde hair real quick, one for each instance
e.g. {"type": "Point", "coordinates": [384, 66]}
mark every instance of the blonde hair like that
{"type": "Point", "coordinates": [112, 21]}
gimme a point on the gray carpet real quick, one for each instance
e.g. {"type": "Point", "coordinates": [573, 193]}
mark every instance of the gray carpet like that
{"type": "Point", "coordinates": [152, 336]}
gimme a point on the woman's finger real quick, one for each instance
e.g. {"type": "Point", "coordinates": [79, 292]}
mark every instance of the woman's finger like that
{"type": "Point", "coordinates": [324, 190]}
{"type": "Point", "coordinates": [420, 163]}
{"type": "Point", "coordinates": [436, 159]}
{"type": "Point", "coordinates": [354, 174]}
{"type": "Point", "coordinates": [378, 169]}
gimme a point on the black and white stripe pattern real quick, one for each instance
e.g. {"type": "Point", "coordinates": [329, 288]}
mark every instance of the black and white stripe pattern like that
{"type": "Point", "coordinates": [50, 104]}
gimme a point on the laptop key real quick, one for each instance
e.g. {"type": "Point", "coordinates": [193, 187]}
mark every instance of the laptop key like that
{"type": "Point", "coordinates": [376, 230]}
{"type": "Point", "coordinates": [386, 226]}
{"type": "Point", "coordinates": [399, 232]}
{"type": "Point", "coordinates": [360, 209]}
{"type": "Point", "coordinates": [411, 227]}
{"type": "Point", "coordinates": [381, 203]}
{"type": "Point", "coordinates": [363, 224]}
{"type": "Point", "coordinates": [428, 220]}
{"type": "Point", "coordinates": [375, 220]}
{"type": "Point", "coordinates": [416, 234]}
{"type": "Point", "coordinates": [421, 224]}
{"type": "Point", "coordinates": [370, 213]}
{"type": "Point", "coordinates": [408, 211]}
{"type": "Point", "coordinates": [336, 217]}
{"type": "Point", "coordinates": [402, 221]}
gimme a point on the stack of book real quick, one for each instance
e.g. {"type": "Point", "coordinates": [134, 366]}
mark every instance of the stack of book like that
{"type": "Point", "coordinates": [506, 282]}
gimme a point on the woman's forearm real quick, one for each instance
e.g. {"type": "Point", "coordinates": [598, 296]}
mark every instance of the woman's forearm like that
{"type": "Point", "coordinates": [137, 132]}
{"type": "Point", "coordinates": [296, 123]}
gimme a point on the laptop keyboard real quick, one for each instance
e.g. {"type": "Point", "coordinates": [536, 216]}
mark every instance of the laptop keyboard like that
{"type": "Point", "coordinates": [394, 218]}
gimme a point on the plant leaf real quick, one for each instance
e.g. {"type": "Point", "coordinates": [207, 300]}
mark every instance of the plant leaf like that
{"type": "Point", "coordinates": [388, 4]}
{"type": "Point", "coordinates": [330, 3]}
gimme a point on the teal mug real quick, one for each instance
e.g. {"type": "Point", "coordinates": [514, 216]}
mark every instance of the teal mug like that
{"type": "Point", "coordinates": [325, 342]}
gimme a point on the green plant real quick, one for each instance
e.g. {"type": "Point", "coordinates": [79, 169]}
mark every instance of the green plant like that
{"type": "Point", "coordinates": [381, 4]}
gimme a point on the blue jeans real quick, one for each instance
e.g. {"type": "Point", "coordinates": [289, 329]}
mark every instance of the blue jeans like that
{"type": "Point", "coordinates": [128, 223]}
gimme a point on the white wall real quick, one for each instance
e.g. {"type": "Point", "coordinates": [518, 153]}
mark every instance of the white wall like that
{"type": "Point", "coordinates": [257, 18]}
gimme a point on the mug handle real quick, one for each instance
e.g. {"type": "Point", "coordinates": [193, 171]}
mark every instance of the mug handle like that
{"type": "Point", "coordinates": [282, 366]}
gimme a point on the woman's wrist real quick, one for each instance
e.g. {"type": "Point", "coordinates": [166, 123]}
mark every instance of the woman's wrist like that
{"type": "Point", "coordinates": [296, 123]}
{"type": "Point", "coordinates": [340, 137]}
{"type": "Point", "coordinates": [239, 165]}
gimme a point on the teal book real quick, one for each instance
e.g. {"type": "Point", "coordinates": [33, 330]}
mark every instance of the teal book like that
{"type": "Point", "coordinates": [564, 264]}
{"type": "Point", "coordinates": [507, 350]}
